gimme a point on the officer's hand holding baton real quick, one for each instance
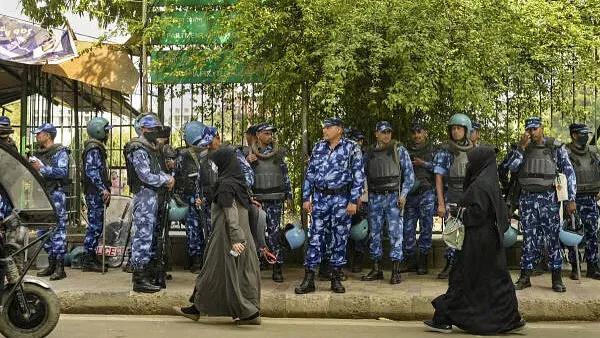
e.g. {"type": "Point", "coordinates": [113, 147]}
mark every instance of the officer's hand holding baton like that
{"type": "Point", "coordinates": [307, 206]}
{"type": "Point", "coordinates": [171, 183]}
{"type": "Point", "coordinates": [571, 207]}
{"type": "Point", "coordinates": [401, 202]}
{"type": "Point", "coordinates": [351, 209]}
{"type": "Point", "coordinates": [106, 197]}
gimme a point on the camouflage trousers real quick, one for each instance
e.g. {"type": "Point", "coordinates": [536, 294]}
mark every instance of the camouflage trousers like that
{"type": "Point", "coordinates": [56, 245]}
{"type": "Point", "coordinates": [273, 209]}
{"type": "Point", "coordinates": [197, 226]}
{"type": "Point", "coordinates": [588, 212]}
{"type": "Point", "coordinates": [384, 207]}
{"type": "Point", "coordinates": [420, 208]}
{"type": "Point", "coordinates": [95, 211]}
{"type": "Point", "coordinates": [145, 210]}
{"type": "Point", "coordinates": [540, 221]}
{"type": "Point", "coordinates": [329, 212]}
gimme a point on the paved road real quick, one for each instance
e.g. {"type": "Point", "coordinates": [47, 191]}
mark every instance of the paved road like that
{"type": "Point", "coordinates": [99, 326]}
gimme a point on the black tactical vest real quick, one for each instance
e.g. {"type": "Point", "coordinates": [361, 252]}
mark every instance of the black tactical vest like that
{"type": "Point", "coordinates": [134, 182]}
{"type": "Point", "coordinates": [458, 170]}
{"type": "Point", "coordinates": [88, 186]}
{"type": "Point", "coordinates": [383, 169]}
{"type": "Point", "coordinates": [587, 169]}
{"type": "Point", "coordinates": [45, 156]}
{"type": "Point", "coordinates": [194, 162]}
{"type": "Point", "coordinates": [268, 178]}
{"type": "Point", "coordinates": [539, 170]}
{"type": "Point", "coordinates": [424, 176]}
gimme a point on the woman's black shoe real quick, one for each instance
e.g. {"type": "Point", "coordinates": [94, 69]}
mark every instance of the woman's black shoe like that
{"type": "Point", "coordinates": [442, 328]}
{"type": "Point", "coordinates": [520, 326]}
{"type": "Point", "coordinates": [189, 312]}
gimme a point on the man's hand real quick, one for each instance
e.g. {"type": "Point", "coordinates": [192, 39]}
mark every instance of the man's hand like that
{"type": "Point", "coordinates": [307, 206]}
{"type": "Point", "coordinates": [37, 165]}
{"type": "Point", "coordinates": [251, 158]}
{"type": "Point", "coordinates": [525, 140]}
{"type": "Point", "coordinates": [171, 183]}
{"type": "Point", "coordinates": [351, 209]}
{"type": "Point", "coordinates": [417, 162]}
{"type": "Point", "coordinates": [238, 247]}
{"type": "Point", "coordinates": [170, 164]}
{"type": "Point", "coordinates": [401, 202]}
{"type": "Point", "coordinates": [571, 207]}
{"type": "Point", "coordinates": [106, 197]}
{"type": "Point", "coordinates": [198, 202]}
{"type": "Point", "coordinates": [441, 210]}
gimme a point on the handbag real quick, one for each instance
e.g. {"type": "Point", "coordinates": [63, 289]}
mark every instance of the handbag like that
{"type": "Point", "coordinates": [454, 231]}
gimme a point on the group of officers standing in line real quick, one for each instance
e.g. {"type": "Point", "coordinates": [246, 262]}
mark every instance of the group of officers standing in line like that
{"type": "Point", "coordinates": [406, 185]}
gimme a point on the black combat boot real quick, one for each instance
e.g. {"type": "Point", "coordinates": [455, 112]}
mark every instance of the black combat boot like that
{"type": "Point", "coordinates": [422, 264]}
{"type": "Point", "coordinates": [395, 279]}
{"type": "Point", "coordinates": [523, 282]}
{"type": "Point", "coordinates": [324, 271]}
{"type": "Point", "coordinates": [592, 271]}
{"type": "Point", "coordinates": [410, 264]}
{"type": "Point", "coordinates": [59, 271]}
{"type": "Point", "coordinates": [308, 284]}
{"type": "Point", "coordinates": [90, 264]}
{"type": "Point", "coordinates": [48, 270]}
{"type": "Point", "coordinates": [357, 262]}
{"type": "Point", "coordinates": [444, 274]}
{"type": "Point", "coordinates": [557, 283]}
{"type": "Point", "coordinates": [376, 272]}
{"type": "Point", "coordinates": [336, 280]}
{"type": "Point", "coordinates": [196, 266]}
{"type": "Point", "coordinates": [573, 274]}
{"type": "Point", "coordinates": [277, 274]}
{"type": "Point", "coordinates": [141, 281]}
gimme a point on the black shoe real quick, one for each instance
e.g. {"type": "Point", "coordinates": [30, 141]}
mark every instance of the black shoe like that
{"type": "Point", "coordinates": [523, 282]}
{"type": "Point", "coordinates": [189, 312]}
{"type": "Point", "coordinates": [573, 274]}
{"type": "Point", "coordinates": [343, 276]}
{"type": "Point", "coordinates": [196, 266]}
{"type": "Point", "coordinates": [324, 271]}
{"type": "Point", "coordinates": [441, 328]}
{"type": "Point", "coordinates": [592, 271]}
{"type": "Point", "coordinates": [395, 279]}
{"type": "Point", "coordinates": [252, 320]}
{"type": "Point", "coordinates": [59, 271]}
{"type": "Point", "coordinates": [376, 273]}
{"type": "Point", "coordinates": [444, 274]}
{"type": "Point", "coordinates": [357, 262]}
{"type": "Point", "coordinates": [277, 274]}
{"type": "Point", "coordinates": [49, 270]}
{"type": "Point", "coordinates": [141, 281]}
{"type": "Point", "coordinates": [308, 283]}
{"type": "Point", "coordinates": [127, 267]}
{"type": "Point", "coordinates": [557, 283]}
{"type": "Point", "coordinates": [422, 264]}
{"type": "Point", "coordinates": [90, 264]}
{"type": "Point", "coordinates": [336, 281]}
{"type": "Point", "coordinates": [518, 327]}
{"type": "Point", "coordinates": [540, 269]}
{"type": "Point", "coordinates": [409, 264]}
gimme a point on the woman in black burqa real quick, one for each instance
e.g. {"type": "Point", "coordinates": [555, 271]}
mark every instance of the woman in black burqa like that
{"type": "Point", "coordinates": [229, 282]}
{"type": "Point", "coordinates": [481, 297]}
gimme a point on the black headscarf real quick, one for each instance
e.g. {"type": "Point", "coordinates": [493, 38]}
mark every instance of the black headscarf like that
{"type": "Point", "coordinates": [231, 183]}
{"type": "Point", "coordinates": [482, 181]}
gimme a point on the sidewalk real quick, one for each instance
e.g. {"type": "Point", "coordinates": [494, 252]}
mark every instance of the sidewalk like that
{"type": "Point", "coordinates": [94, 293]}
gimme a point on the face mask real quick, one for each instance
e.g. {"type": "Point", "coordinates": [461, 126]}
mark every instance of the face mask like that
{"type": "Point", "coordinates": [582, 139]}
{"type": "Point", "coordinates": [152, 136]}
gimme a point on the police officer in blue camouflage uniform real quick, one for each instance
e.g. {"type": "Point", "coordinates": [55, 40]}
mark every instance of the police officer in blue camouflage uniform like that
{"type": "Point", "coordinates": [334, 180]}
{"type": "Point", "coordinates": [271, 188]}
{"type": "Point", "coordinates": [475, 135]}
{"type": "Point", "coordinates": [420, 203]}
{"type": "Point", "coordinates": [145, 179]}
{"type": "Point", "coordinates": [96, 186]}
{"type": "Point", "coordinates": [586, 162]}
{"type": "Point", "coordinates": [359, 248]}
{"type": "Point", "coordinates": [449, 168]}
{"type": "Point", "coordinates": [390, 177]}
{"type": "Point", "coordinates": [51, 160]}
{"type": "Point", "coordinates": [538, 160]}
{"type": "Point", "coordinates": [194, 180]}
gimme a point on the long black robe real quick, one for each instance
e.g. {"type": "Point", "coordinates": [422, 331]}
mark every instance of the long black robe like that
{"type": "Point", "coordinates": [228, 285]}
{"type": "Point", "coordinates": [481, 298]}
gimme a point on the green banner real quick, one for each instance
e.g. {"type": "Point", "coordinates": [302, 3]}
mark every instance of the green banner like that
{"type": "Point", "coordinates": [196, 2]}
{"type": "Point", "coordinates": [174, 67]}
{"type": "Point", "coordinates": [191, 28]}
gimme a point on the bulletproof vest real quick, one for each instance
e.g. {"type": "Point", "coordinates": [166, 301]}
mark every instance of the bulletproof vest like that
{"type": "Point", "coordinates": [196, 162]}
{"type": "Point", "coordinates": [587, 170]}
{"type": "Point", "coordinates": [9, 141]}
{"type": "Point", "coordinates": [134, 182]}
{"type": "Point", "coordinates": [538, 172]}
{"type": "Point", "coordinates": [88, 186]}
{"type": "Point", "coordinates": [458, 169]}
{"type": "Point", "coordinates": [423, 175]}
{"type": "Point", "coordinates": [383, 169]}
{"type": "Point", "coordinates": [268, 178]}
{"type": "Point", "coordinates": [45, 156]}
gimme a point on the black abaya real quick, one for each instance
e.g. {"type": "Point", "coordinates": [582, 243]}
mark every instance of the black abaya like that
{"type": "Point", "coordinates": [481, 298]}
